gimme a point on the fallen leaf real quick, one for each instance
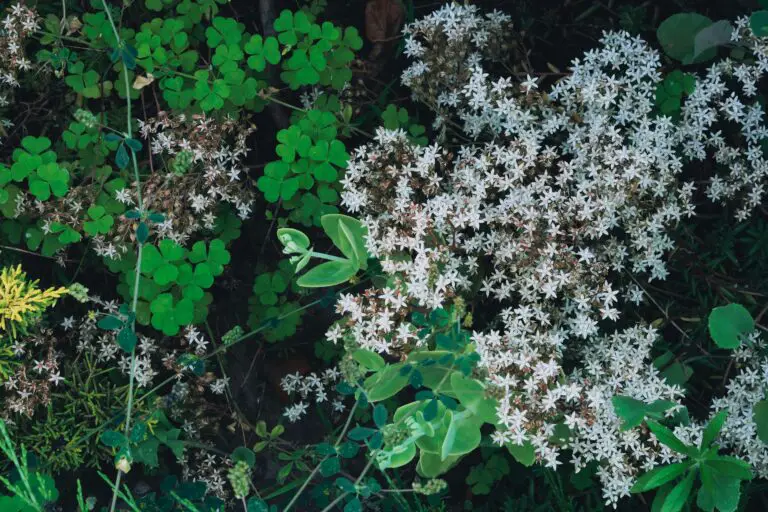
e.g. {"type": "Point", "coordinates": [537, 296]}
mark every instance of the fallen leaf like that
{"type": "Point", "coordinates": [142, 81]}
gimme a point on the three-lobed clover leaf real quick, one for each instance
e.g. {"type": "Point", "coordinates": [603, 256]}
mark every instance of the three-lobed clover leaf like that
{"type": "Point", "coordinates": [50, 179]}
{"type": "Point", "coordinates": [100, 222]}
{"type": "Point", "coordinates": [168, 317]}
{"type": "Point", "coordinates": [32, 154]}
{"type": "Point", "coordinates": [211, 95]}
{"type": "Point", "coordinates": [215, 256]}
{"type": "Point", "coordinates": [262, 51]}
{"type": "Point", "coordinates": [223, 30]}
{"type": "Point", "coordinates": [328, 155]}
{"type": "Point", "coordinates": [290, 26]}
{"type": "Point", "coordinates": [277, 182]}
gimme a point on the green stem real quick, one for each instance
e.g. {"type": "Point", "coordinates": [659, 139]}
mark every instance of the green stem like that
{"type": "Point", "coordinates": [137, 179]}
{"type": "Point", "coordinates": [334, 502]}
{"type": "Point", "coordinates": [317, 468]}
{"type": "Point", "coordinates": [323, 256]}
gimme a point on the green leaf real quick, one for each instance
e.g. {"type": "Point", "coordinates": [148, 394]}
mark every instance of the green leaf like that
{"type": "Point", "coordinates": [142, 232]}
{"type": "Point", "coordinates": [257, 505]}
{"type": "Point", "coordinates": [711, 37]}
{"type": "Point", "coordinates": [524, 453]}
{"type": "Point", "coordinates": [368, 359]}
{"type": "Point", "coordinates": [110, 323]}
{"type": "Point", "coordinates": [463, 435]}
{"type": "Point", "coordinates": [728, 324]}
{"type": "Point", "coordinates": [121, 158]}
{"type": "Point", "coordinates": [431, 465]}
{"type": "Point", "coordinates": [660, 476]}
{"type": "Point", "coordinates": [472, 395]}
{"type": "Point", "coordinates": [126, 339]}
{"type": "Point", "coordinates": [720, 490]}
{"type": "Point", "coordinates": [630, 410]}
{"type": "Point", "coordinates": [713, 428]}
{"type": "Point", "coordinates": [678, 496]}
{"type": "Point", "coordinates": [667, 437]}
{"type": "Point", "coordinates": [330, 466]}
{"type": "Point", "coordinates": [112, 439]}
{"type": "Point", "coordinates": [385, 383]}
{"type": "Point", "coordinates": [241, 453]}
{"type": "Point", "coordinates": [730, 466]}
{"type": "Point", "coordinates": [758, 22]}
{"type": "Point", "coordinates": [348, 234]}
{"type": "Point", "coordinates": [329, 273]}
{"type": "Point", "coordinates": [760, 417]}
{"type": "Point", "coordinates": [379, 415]}
{"type": "Point", "coordinates": [353, 505]}
{"type": "Point", "coordinates": [293, 239]}
{"type": "Point", "coordinates": [677, 35]}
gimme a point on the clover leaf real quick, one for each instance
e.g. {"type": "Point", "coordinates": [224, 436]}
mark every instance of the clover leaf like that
{"type": "Point", "coordinates": [262, 51]}
{"type": "Point", "coordinates": [210, 95]}
{"type": "Point", "coordinates": [275, 184]}
{"type": "Point", "coordinates": [223, 30]}
{"type": "Point", "coordinates": [290, 26]}
{"type": "Point", "coordinates": [100, 222]}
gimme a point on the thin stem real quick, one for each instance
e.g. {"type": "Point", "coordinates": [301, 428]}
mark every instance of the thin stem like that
{"type": "Point", "coordinates": [137, 179]}
{"type": "Point", "coordinates": [304, 485]}
{"type": "Point", "coordinates": [317, 468]}
{"type": "Point", "coordinates": [323, 256]}
{"type": "Point", "coordinates": [334, 503]}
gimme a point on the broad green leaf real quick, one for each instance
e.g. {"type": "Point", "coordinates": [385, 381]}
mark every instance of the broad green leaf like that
{"type": "Point", "coordinates": [660, 476]}
{"type": "Point", "coordinates": [731, 467]}
{"type": "Point", "coordinates": [386, 383]}
{"type": "Point", "coordinates": [472, 395]}
{"type": "Point", "coordinates": [667, 437]}
{"type": "Point", "coordinates": [329, 273]}
{"type": "Point", "coordinates": [524, 453]}
{"type": "Point", "coordinates": [678, 496]}
{"type": "Point", "coordinates": [368, 359]}
{"type": "Point", "coordinates": [432, 466]}
{"type": "Point", "coordinates": [677, 35]}
{"type": "Point", "coordinates": [463, 435]}
{"type": "Point", "coordinates": [727, 325]}
{"type": "Point", "coordinates": [721, 490]}
{"type": "Point", "coordinates": [760, 417]}
{"type": "Point", "coordinates": [244, 454]}
{"type": "Point", "coordinates": [350, 239]}
{"type": "Point", "coordinates": [713, 428]}
{"type": "Point", "coordinates": [758, 22]}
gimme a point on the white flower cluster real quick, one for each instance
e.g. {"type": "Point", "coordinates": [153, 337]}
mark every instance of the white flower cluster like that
{"type": "Point", "coordinates": [306, 385]}
{"type": "Point", "coordinates": [19, 22]}
{"type": "Point", "coordinates": [744, 390]}
{"type": "Point", "coordinates": [206, 162]}
{"type": "Point", "coordinates": [726, 99]}
{"type": "Point", "coordinates": [93, 341]}
{"type": "Point", "coordinates": [554, 197]}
